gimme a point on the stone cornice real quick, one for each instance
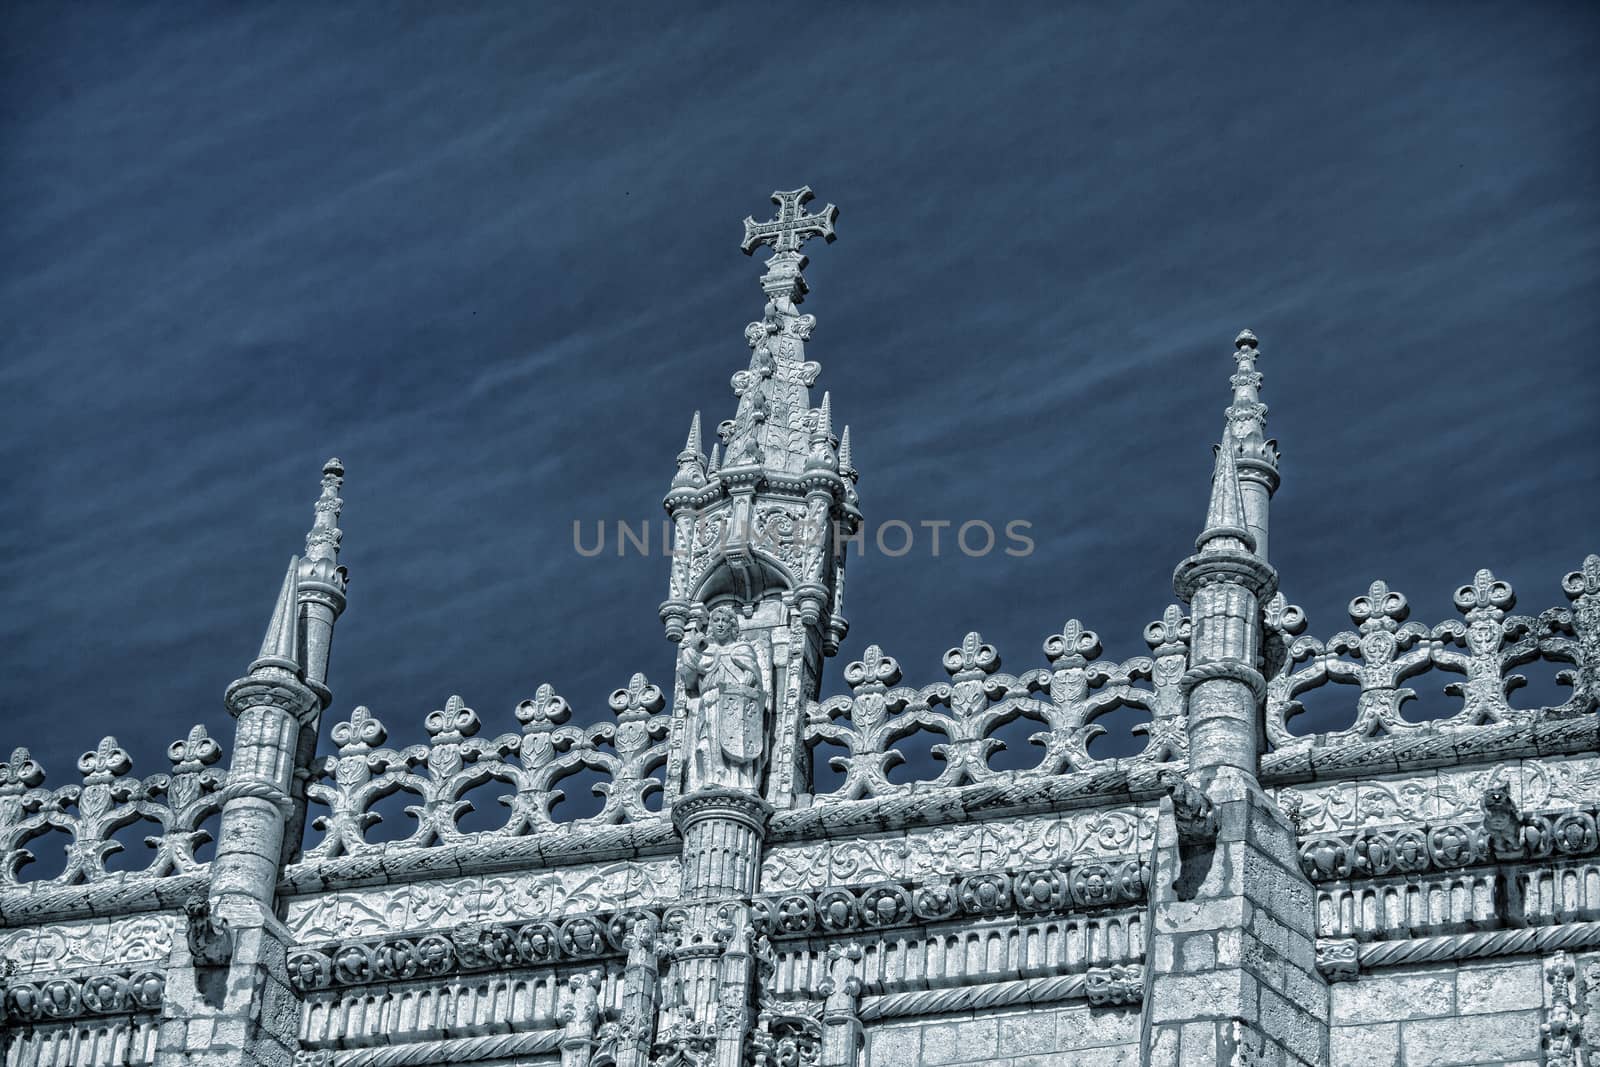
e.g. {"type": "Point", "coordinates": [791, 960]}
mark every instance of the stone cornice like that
{"type": "Point", "coordinates": [1424, 748]}
{"type": "Point", "coordinates": [1003, 798]}
{"type": "Point", "coordinates": [484, 854]}
{"type": "Point", "coordinates": [1212, 567]}
{"type": "Point", "coordinates": [112, 896]}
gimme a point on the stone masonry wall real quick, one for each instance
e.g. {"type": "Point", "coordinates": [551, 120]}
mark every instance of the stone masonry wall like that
{"type": "Point", "coordinates": [1440, 1016]}
{"type": "Point", "coordinates": [1074, 1035]}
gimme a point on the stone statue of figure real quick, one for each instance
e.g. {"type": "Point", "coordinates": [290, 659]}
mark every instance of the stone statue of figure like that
{"type": "Point", "coordinates": [727, 721]}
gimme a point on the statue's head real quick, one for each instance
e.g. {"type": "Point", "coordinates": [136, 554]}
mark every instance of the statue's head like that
{"type": "Point", "coordinates": [723, 625]}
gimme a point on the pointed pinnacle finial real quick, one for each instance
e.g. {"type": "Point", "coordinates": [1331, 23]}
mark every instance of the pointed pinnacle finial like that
{"type": "Point", "coordinates": [691, 461]}
{"type": "Point", "coordinates": [322, 543]}
{"type": "Point", "coordinates": [281, 645]}
{"type": "Point", "coordinates": [846, 464]}
{"type": "Point", "coordinates": [716, 458]}
{"type": "Point", "coordinates": [1225, 513]}
{"type": "Point", "coordinates": [692, 445]}
{"type": "Point", "coordinates": [825, 415]}
{"type": "Point", "coordinates": [1247, 415]}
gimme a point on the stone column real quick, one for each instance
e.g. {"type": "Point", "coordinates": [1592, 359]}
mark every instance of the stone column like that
{"type": "Point", "coordinates": [723, 832]}
{"type": "Point", "coordinates": [842, 1033]}
{"type": "Point", "coordinates": [1231, 968]}
{"type": "Point", "coordinates": [641, 981]}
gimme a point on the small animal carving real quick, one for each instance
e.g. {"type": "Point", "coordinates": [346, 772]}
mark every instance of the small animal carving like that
{"type": "Point", "coordinates": [210, 944]}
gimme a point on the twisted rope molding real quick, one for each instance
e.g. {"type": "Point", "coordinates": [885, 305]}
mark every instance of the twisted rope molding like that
{"type": "Point", "coordinates": [1531, 940]}
{"type": "Point", "coordinates": [256, 789]}
{"type": "Point", "coordinates": [428, 1053]}
{"type": "Point", "coordinates": [1048, 990]}
{"type": "Point", "coordinates": [1224, 670]}
{"type": "Point", "coordinates": [970, 998]}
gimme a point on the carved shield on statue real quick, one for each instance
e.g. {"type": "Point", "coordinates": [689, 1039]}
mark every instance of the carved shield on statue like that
{"type": "Point", "coordinates": [740, 724]}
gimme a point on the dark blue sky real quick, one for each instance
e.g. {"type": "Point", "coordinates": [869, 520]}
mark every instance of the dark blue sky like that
{"type": "Point", "coordinates": [489, 258]}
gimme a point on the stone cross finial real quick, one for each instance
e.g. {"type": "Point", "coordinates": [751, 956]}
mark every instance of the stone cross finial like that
{"type": "Point", "coordinates": [793, 226]}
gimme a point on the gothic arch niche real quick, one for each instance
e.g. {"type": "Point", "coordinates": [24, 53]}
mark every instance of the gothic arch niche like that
{"type": "Point", "coordinates": [746, 576]}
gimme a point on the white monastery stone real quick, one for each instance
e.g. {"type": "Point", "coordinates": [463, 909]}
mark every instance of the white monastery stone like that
{"type": "Point", "coordinates": [1393, 892]}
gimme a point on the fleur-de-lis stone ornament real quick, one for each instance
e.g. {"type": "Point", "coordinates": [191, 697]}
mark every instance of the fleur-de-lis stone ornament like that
{"type": "Point", "coordinates": [968, 664]}
{"type": "Point", "coordinates": [1168, 635]}
{"type": "Point", "coordinates": [539, 717]}
{"type": "Point", "coordinates": [1486, 598]}
{"type": "Point", "coordinates": [1582, 587]}
{"type": "Point", "coordinates": [972, 659]}
{"type": "Point", "coordinates": [195, 752]}
{"type": "Point", "coordinates": [639, 699]}
{"type": "Point", "coordinates": [17, 775]}
{"type": "Point", "coordinates": [105, 762]}
{"type": "Point", "coordinates": [361, 734]}
{"type": "Point", "coordinates": [1072, 647]}
{"type": "Point", "coordinates": [453, 723]}
{"type": "Point", "coordinates": [20, 773]}
{"type": "Point", "coordinates": [634, 707]}
{"type": "Point", "coordinates": [1380, 609]}
{"type": "Point", "coordinates": [872, 673]}
{"type": "Point", "coordinates": [190, 757]}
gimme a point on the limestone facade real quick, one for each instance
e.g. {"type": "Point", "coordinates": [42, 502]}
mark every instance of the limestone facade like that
{"type": "Point", "coordinates": [1393, 892]}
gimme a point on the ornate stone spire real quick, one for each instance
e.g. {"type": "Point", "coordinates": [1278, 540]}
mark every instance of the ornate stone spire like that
{"type": "Point", "coordinates": [1255, 456]}
{"type": "Point", "coordinates": [322, 580]}
{"type": "Point", "coordinates": [281, 645]}
{"type": "Point", "coordinates": [322, 542]}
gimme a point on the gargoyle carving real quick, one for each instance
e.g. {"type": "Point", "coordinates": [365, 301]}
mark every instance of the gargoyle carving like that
{"type": "Point", "coordinates": [1191, 809]}
{"type": "Point", "coordinates": [210, 943]}
{"type": "Point", "coordinates": [1506, 826]}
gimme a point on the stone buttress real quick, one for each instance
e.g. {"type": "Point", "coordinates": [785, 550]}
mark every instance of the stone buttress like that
{"type": "Point", "coordinates": [1231, 976]}
{"type": "Point", "coordinates": [232, 1003]}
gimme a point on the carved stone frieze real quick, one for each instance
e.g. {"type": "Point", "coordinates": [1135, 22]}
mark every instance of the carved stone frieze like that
{"type": "Point", "coordinates": [64, 997]}
{"type": "Point", "coordinates": [485, 899]}
{"type": "Point", "coordinates": [462, 948]}
{"type": "Point", "coordinates": [1446, 845]}
{"type": "Point", "coordinates": [82, 945]}
{"type": "Point", "coordinates": [946, 851]}
{"type": "Point", "coordinates": [1115, 985]}
{"type": "Point", "coordinates": [838, 910]}
{"type": "Point", "coordinates": [1448, 793]}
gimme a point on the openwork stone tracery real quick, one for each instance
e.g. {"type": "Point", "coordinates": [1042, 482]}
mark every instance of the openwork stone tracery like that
{"type": "Point", "coordinates": [1230, 890]}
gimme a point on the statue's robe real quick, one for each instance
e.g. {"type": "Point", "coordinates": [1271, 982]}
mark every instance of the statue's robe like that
{"type": "Point", "coordinates": [730, 734]}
